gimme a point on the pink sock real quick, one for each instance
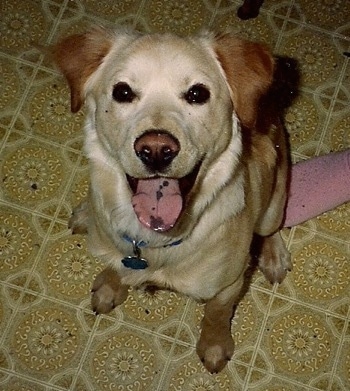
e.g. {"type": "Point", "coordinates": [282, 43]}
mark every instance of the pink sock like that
{"type": "Point", "coordinates": [318, 185]}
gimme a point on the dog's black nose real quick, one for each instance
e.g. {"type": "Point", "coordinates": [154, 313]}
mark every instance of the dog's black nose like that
{"type": "Point", "coordinates": [156, 149]}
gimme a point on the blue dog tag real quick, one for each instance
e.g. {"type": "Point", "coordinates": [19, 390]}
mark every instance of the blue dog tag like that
{"type": "Point", "coordinates": [134, 262]}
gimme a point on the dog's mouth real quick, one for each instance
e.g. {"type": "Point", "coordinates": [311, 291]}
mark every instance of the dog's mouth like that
{"type": "Point", "coordinates": [159, 201]}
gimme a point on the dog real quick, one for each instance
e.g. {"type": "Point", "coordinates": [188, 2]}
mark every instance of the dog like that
{"type": "Point", "coordinates": [188, 163]}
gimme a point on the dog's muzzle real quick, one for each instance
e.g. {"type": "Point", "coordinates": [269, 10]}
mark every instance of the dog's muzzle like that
{"type": "Point", "coordinates": [159, 200]}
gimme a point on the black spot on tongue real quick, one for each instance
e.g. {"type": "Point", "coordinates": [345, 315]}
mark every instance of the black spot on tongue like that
{"type": "Point", "coordinates": [159, 192]}
{"type": "Point", "coordinates": [156, 222]}
{"type": "Point", "coordinates": [158, 203]}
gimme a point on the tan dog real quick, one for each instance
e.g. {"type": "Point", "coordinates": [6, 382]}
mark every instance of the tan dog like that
{"type": "Point", "coordinates": [187, 163]}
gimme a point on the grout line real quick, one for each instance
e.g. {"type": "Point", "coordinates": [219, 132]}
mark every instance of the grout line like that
{"type": "Point", "coordinates": [337, 360]}
{"type": "Point", "coordinates": [252, 367]}
{"type": "Point", "coordinates": [214, 13]}
{"type": "Point", "coordinates": [283, 28]}
{"type": "Point", "coordinates": [31, 80]}
{"type": "Point", "coordinates": [258, 341]}
{"type": "Point", "coordinates": [321, 234]}
{"type": "Point", "coordinates": [288, 380]}
{"type": "Point", "coordinates": [337, 355]}
{"type": "Point", "coordinates": [332, 105]}
{"type": "Point", "coordinates": [25, 289]}
{"type": "Point", "coordinates": [38, 257]}
{"type": "Point", "coordinates": [320, 30]}
{"type": "Point", "coordinates": [329, 237]}
{"type": "Point", "coordinates": [138, 14]}
{"type": "Point", "coordinates": [44, 140]}
{"type": "Point", "coordinates": [18, 60]}
{"type": "Point", "coordinates": [32, 212]}
{"type": "Point", "coordinates": [165, 371]}
{"type": "Point", "coordinates": [53, 221]}
{"type": "Point", "coordinates": [111, 317]}
{"type": "Point", "coordinates": [35, 381]}
{"type": "Point", "coordinates": [18, 109]}
{"type": "Point", "coordinates": [84, 355]}
{"type": "Point", "coordinates": [57, 21]}
{"type": "Point", "coordinates": [299, 302]}
{"type": "Point", "coordinates": [308, 26]}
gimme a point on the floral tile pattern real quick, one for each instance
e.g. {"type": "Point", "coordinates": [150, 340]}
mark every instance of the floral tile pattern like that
{"type": "Point", "coordinates": [288, 337]}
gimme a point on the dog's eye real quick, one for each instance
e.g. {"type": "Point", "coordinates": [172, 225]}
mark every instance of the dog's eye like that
{"type": "Point", "coordinates": [197, 94]}
{"type": "Point", "coordinates": [122, 93]}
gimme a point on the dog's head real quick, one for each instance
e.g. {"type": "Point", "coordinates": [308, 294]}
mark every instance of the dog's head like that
{"type": "Point", "coordinates": [166, 110]}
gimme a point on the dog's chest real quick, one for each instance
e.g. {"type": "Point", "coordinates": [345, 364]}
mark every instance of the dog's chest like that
{"type": "Point", "coordinates": [196, 271]}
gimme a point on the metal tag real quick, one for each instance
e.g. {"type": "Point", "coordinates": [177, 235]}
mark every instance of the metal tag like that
{"type": "Point", "coordinates": [135, 261]}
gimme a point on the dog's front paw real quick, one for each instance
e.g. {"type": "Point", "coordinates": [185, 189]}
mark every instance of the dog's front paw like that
{"type": "Point", "coordinates": [107, 292]}
{"type": "Point", "coordinates": [215, 355]}
{"type": "Point", "coordinates": [274, 259]}
{"type": "Point", "coordinates": [78, 222]}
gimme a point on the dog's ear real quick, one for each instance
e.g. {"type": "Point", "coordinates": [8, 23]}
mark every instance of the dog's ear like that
{"type": "Point", "coordinates": [78, 56]}
{"type": "Point", "coordinates": [249, 69]}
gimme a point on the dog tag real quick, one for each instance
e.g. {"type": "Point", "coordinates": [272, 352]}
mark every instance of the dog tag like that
{"type": "Point", "coordinates": [135, 261]}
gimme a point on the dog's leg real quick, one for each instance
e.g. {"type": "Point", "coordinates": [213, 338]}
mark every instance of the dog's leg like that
{"type": "Point", "coordinates": [274, 258]}
{"type": "Point", "coordinates": [78, 222]}
{"type": "Point", "coordinates": [107, 291]}
{"type": "Point", "coordinates": [215, 346]}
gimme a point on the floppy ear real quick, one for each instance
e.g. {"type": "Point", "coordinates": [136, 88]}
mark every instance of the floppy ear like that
{"type": "Point", "coordinates": [249, 69]}
{"type": "Point", "coordinates": [78, 56]}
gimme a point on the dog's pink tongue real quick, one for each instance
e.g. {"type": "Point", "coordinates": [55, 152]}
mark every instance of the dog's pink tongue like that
{"type": "Point", "coordinates": [158, 203]}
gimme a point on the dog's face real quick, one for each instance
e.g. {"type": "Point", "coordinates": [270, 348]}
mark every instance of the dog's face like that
{"type": "Point", "coordinates": [163, 93]}
{"type": "Point", "coordinates": [165, 110]}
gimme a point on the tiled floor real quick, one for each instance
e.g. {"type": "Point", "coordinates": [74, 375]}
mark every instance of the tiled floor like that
{"type": "Point", "coordinates": [290, 337]}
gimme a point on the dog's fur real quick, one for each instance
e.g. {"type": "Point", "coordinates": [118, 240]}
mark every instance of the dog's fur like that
{"type": "Point", "coordinates": [233, 139]}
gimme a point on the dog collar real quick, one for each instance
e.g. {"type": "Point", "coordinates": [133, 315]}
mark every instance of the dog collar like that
{"type": "Point", "coordinates": [135, 261]}
{"type": "Point", "coordinates": [142, 243]}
